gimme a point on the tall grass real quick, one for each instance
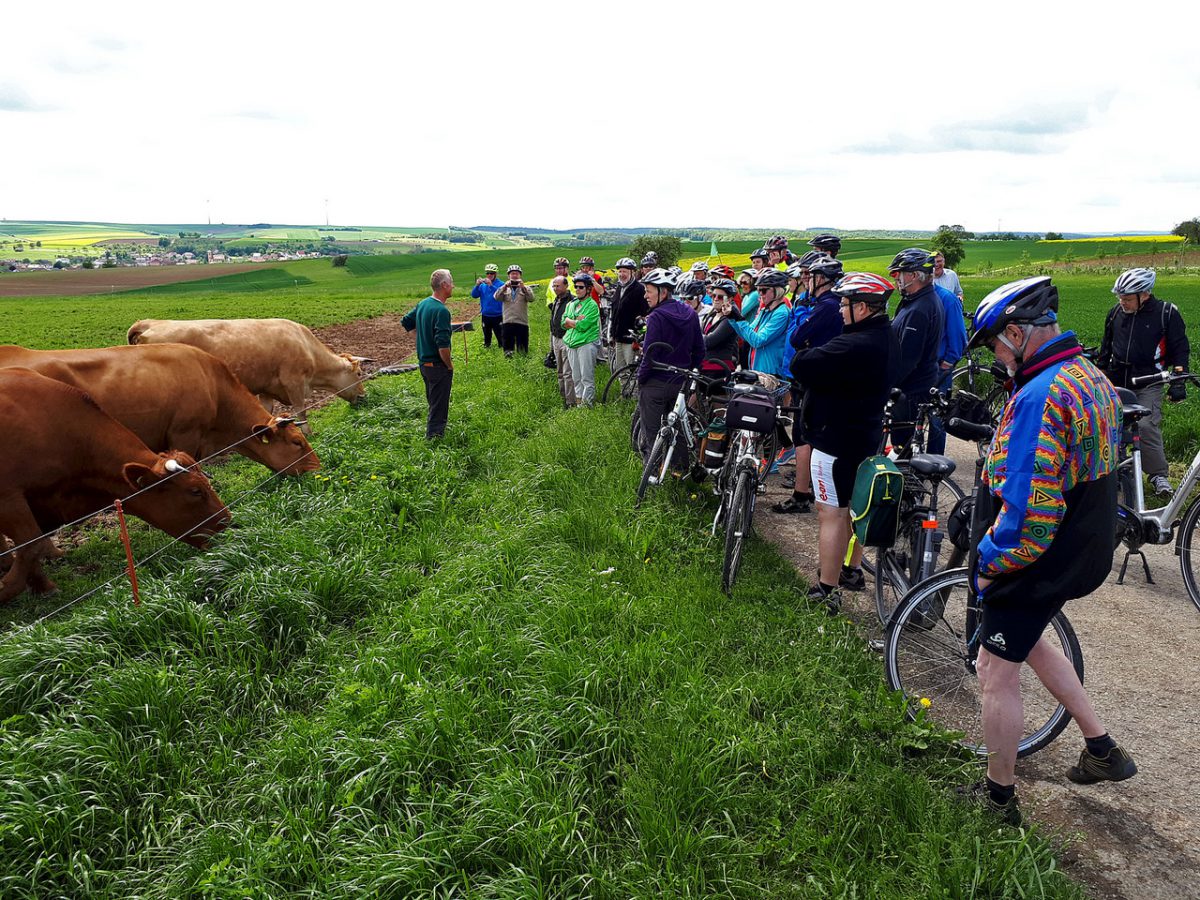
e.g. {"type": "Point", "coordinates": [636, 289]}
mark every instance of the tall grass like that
{"type": "Point", "coordinates": [471, 669]}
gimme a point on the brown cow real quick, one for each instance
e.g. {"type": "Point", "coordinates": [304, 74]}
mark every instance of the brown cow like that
{"type": "Point", "coordinates": [63, 457]}
{"type": "Point", "coordinates": [277, 359]}
{"type": "Point", "coordinates": [175, 397]}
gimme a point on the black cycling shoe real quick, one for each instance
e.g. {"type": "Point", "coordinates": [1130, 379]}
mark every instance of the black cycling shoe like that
{"type": "Point", "coordinates": [788, 479]}
{"type": "Point", "coordinates": [1116, 765]}
{"type": "Point", "coordinates": [852, 579]}
{"type": "Point", "coordinates": [793, 505]}
{"type": "Point", "coordinates": [832, 600]}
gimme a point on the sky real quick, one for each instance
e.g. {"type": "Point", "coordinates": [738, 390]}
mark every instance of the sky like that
{"type": "Point", "coordinates": [1021, 116]}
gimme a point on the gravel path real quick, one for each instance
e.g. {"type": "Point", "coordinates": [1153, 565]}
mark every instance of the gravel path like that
{"type": "Point", "coordinates": [1139, 838]}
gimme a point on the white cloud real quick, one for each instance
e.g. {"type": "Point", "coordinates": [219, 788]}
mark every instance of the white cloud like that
{"type": "Point", "coordinates": [612, 115]}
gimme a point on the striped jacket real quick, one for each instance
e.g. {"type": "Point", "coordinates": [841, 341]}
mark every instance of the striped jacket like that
{"type": "Point", "coordinates": [1051, 472]}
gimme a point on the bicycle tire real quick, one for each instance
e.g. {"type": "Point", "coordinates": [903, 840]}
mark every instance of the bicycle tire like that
{"type": "Point", "coordinates": [926, 658]}
{"type": "Point", "coordinates": [635, 431]}
{"type": "Point", "coordinates": [897, 571]}
{"type": "Point", "coordinates": [626, 377]}
{"type": "Point", "coordinates": [654, 463]}
{"type": "Point", "coordinates": [737, 529]}
{"type": "Point", "coordinates": [1188, 548]}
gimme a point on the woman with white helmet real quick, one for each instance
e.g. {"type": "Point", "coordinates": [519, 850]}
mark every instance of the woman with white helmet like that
{"type": "Point", "coordinates": [1144, 335]}
{"type": "Point", "coordinates": [515, 297]}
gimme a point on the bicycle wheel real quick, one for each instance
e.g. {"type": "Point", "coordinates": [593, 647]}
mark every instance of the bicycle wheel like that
{"type": "Point", "coordinates": [893, 570]}
{"type": "Point", "coordinates": [635, 431]}
{"type": "Point", "coordinates": [652, 470]}
{"type": "Point", "coordinates": [737, 527]}
{"type": "Point", "coordinates": [1189, 551]}
{"type": "Point", "coordinates": [926, 657]}
{"type": "Point", "coordinates": [622, 384]}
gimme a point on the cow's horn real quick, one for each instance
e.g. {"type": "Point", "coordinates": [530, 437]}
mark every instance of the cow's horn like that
{"type": "Point", "coordinates": [284, 421]}
{"type": "Point", "coordinates": [362, 359]}
{"type": "Point", "coordinates": [173, 466]}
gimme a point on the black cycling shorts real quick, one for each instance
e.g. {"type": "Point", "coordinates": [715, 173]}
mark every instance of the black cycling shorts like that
{"type": "Point", "coordinates": [1011, 626]}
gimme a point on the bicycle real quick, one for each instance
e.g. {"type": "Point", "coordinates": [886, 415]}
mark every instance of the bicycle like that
{"type": "Point", "coordinates": [917, 551]}
{"type": "Point", "coordinates": [1137, 525]}
{"type": "Point", "coordinates": [932, 644]}
{"type": "Point", "coordinates": [680, 432]}
{"type": "Point", "coordinates": [984, 381]}
{"type": "Point", "coordinates": [751, 417]}
{"type": "Point", "coordinates": [622, 384]}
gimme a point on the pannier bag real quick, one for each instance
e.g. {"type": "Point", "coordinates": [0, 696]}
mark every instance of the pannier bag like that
{"type": "Point", "coordinates": [714, 445]}
{"type": "Point", "coordinates": [968, 407]}
{"type": "Point", "coordinates": [875, 502]}
{"type": "Point", "coordinates": [751, 411]}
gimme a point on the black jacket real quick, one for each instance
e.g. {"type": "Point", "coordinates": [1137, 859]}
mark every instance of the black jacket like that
{"type": "Point", "coordinates": [556, 314]}
{"type": "Point", "coordinates": [720, 340]}
{"type": "Point", "coordinates": [628, 304]}
{"type": "Point", "coordinates": [1142, 343]}
{"type": "Point", "coordinates": [920, 320]}
{"type": "Point", "coordinates": [848, 380]}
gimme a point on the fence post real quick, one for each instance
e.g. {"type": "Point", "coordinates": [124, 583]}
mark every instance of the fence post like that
{"type": "Point", "coordinates": [137, 600]}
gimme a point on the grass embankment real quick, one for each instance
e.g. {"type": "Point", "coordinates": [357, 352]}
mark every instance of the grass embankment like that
{"type": "Point", "coordinates": [472, 670]}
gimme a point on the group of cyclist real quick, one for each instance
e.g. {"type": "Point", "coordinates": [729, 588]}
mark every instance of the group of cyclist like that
{"type": "Point", "coordinates": [826, 336]}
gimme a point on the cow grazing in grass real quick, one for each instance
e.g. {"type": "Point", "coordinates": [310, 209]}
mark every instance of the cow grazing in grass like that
{"type": "Point", "coordinates": [62, 457]}
{"type": "Point", "coordinates": [175, 397]}
{"type": "Point", "coordinates": [277, 359]}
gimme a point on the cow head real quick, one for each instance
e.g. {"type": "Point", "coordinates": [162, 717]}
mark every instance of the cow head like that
{"type": "Point", "coordinates": [350, 385]}
{"type": "Point", "coordinates": [280, 446]}
{"type": "Point", "coordinates": [175, 496]}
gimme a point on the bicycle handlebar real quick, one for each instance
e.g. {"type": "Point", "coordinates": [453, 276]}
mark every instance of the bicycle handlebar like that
{"type": "Point", "coordinates": [961, 428]}
{"type": "Point", "coordinates": [1161, 378]}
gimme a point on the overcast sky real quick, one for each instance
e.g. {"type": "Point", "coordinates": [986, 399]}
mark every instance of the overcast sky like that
{"type": "Point", "coordinates": [1040, 116]}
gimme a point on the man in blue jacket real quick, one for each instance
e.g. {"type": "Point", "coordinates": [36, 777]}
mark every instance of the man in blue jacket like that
{"type": "Point", "coordinates": [491, 310]}
{"type": "Point", "coordinates": [919, 324]}
{"type": "Point", "coordinates": [676, 325]}
{"type": "Point", "coordinates": [951, 350]}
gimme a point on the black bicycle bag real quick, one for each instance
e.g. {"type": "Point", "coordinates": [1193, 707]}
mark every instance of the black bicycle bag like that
{"type": "Point", "coordinates": [751, 411]}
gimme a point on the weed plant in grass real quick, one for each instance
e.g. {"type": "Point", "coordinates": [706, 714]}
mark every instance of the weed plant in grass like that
{"type": "Point", "coordinates": [471, 669]}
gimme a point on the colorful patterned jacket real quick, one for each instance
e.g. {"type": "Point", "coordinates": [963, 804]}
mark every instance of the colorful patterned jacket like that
{"type": "Point", "coordinates": [1051, 471]}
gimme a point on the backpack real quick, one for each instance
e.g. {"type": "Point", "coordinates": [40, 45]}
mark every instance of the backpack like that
{"type": "Point", "coordinates": [875, 502]}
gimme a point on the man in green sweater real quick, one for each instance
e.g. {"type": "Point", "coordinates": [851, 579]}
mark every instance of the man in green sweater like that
{"type": "Point", "coordinates": [431, 320]}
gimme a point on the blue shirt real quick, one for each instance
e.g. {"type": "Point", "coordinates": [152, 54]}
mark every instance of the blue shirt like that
{"type": "Point", "coordinates": [486, 295]}
{"type": "Point", "coordinates": [954, 335]}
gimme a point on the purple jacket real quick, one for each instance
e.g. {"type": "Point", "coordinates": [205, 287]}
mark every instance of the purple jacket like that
{"type": "Point", "coordinates": [676, 324]}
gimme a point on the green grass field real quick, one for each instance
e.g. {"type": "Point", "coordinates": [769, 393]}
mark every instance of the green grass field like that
{"type": "Point", "coordinates": [472, 670]}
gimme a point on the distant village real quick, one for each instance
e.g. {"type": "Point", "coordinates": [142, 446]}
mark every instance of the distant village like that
{"type": "Point", "coordinates": [165, 258]}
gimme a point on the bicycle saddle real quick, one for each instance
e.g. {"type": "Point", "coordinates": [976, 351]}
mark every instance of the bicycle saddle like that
{"type": "Point", "coordinates": [1131, 410]}
{"type": "Point", "coordinates": [932, 465]}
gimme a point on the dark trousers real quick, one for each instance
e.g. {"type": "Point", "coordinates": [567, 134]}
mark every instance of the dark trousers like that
{"type": "Point", "coordinates": [937, 428]}
{"type": "Point", "coordinates": [655, 399]}
{"type": "Point", "coordinates": [437, 394]}
{"type": "Point", "coordinates": [515, 336]}
{"type": "Point", "coordinates": [491, 325]}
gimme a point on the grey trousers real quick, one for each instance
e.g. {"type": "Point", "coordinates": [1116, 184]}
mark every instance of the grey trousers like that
{"type": "Point", "coordinates": [566, 386]}
{"type": "Point", "coordinates": [1154, 460]}
{"type": "Point", "coordinates": [622, 355]}
{"type": "Point", "coordinates": [583, 371]}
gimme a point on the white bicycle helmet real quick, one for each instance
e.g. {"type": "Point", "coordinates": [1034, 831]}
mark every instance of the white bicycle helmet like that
{"type": "Point", "coordinates": [660, 278]}
{"type": "Point", "coordinates": [1134, 281]}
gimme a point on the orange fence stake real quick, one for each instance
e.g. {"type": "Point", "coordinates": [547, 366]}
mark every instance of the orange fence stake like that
{"type": "Point", "coordinates": [137, 600]}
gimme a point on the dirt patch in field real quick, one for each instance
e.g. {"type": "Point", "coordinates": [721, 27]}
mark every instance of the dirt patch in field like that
{"type": "Point", "coordinates": [1136, 839]}
{"type": "Point", "coordinates": [1129, 260]}
{"type": "Point", "coordinates": [73, 282]}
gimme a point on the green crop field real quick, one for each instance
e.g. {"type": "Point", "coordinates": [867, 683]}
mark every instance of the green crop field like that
{"type": "Point", "coordinates": [468, 669]}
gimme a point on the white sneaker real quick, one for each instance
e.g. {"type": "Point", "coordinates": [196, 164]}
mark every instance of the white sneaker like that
{"type": "Point", "coordinates": [1161, 485]}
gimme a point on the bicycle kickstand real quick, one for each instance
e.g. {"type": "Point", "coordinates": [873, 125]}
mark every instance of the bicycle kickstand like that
{"type": "Point", "coordinates": [1145, 566]}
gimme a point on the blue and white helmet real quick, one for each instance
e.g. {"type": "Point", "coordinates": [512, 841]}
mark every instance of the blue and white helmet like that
{"type": "Point", "coordinates": [1030, 301]}
{"type": "Point", "coordinates": [1134, 281]}
{"type": "Point", "coordinates": [625, 263]}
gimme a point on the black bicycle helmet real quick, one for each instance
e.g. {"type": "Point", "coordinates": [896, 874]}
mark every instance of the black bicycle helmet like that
{"type": "Point", "coordinates": [1029, 301]}
{"type": "Point", "coordinates": [827, 267]}
{"type": "Point", "coordinates": [829, 243]}
{"type": "Point", "coordinates": [582, 278]}
{"type": "Point", "coordinates": [650, 259]}
{"type": "Point", "coordinates": [913, 259]}
{"type": "Point", "coordinates": [772, 278]}
{"type": "Point", "coordinates": [809, 258]}
{"type": "Point", "coordinates": [779, 242]}
{"type": "Point", "coordinates": [726, 285]}
{"type": "Point", "coordinates": [760, 253]}
{"type": "Point", "coordinates": [693, 288]}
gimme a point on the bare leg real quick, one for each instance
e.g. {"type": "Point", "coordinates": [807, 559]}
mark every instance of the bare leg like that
{"type": "Point", "coordinates": [1003, 714]}
{"type": "Point", "coordinates": [804, 469]}
{"type": "Point", "coordinates": [1055, 671]}
{"type": "Point", "coordinates": [834, 530]}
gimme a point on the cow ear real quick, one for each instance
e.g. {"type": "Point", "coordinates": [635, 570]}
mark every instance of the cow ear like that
{"type": "Point", "coordinates": [138, 475]}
